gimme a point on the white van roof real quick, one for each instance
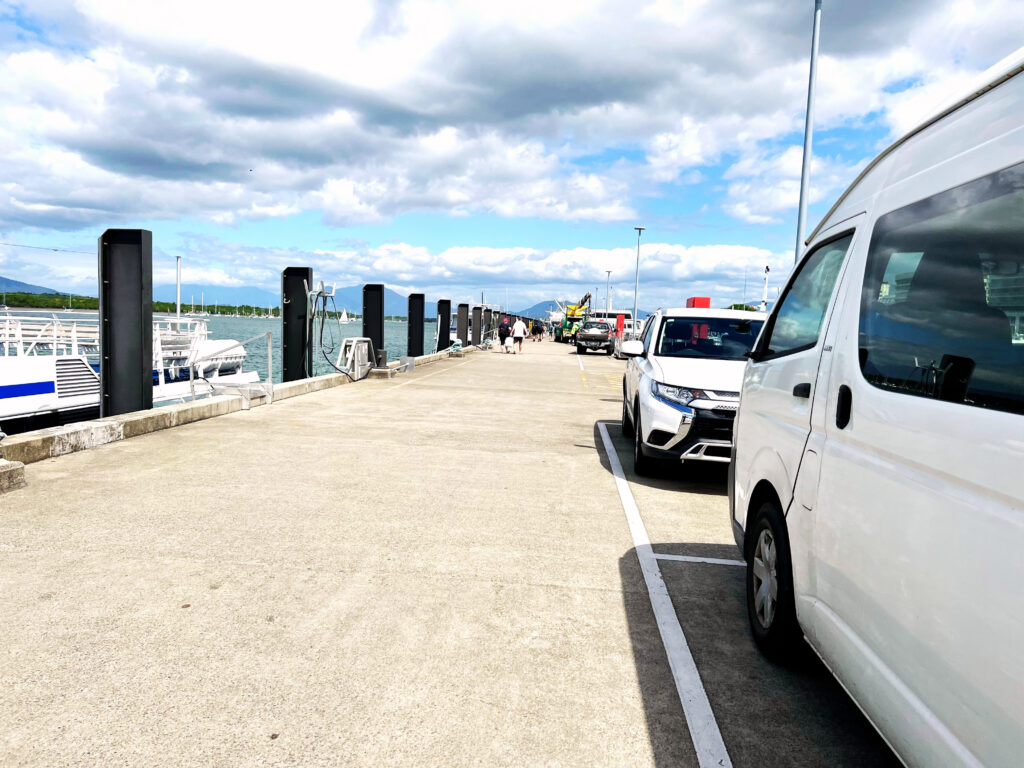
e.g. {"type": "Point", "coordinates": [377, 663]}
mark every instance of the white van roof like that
{"type": "Point", "coordinates": [995, 75]}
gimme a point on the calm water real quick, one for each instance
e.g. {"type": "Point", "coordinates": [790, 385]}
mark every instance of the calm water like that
{"type": "Point", "coordinates": [396, 337]}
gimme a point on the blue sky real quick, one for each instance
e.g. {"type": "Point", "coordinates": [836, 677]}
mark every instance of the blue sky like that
{"type": "Point", "coordinates": [454, 148]}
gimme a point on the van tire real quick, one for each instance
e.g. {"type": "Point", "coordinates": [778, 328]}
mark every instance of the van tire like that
{"type": "Point", "coordinates": [772, 618]}
{"type": "Point", "coordinates": [642, 465]}
{"type": "Point", "coordinates": [627, 424]}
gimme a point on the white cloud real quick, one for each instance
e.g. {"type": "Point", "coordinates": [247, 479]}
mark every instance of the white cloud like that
{"type": "Point", "coordinates": [366, 110]}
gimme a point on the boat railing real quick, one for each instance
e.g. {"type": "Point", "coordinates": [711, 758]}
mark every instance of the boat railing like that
{"type": "Point", "coordinates": [245, 391]}
{"type": "Point", "coordinates": [42, 335]}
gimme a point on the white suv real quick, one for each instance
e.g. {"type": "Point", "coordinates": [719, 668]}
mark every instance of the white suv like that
{"type": "Point", "coordinates": [681, 388]}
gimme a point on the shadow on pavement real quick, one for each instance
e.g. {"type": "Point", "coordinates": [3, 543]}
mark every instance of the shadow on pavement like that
{"type": "Point", "coordinates": [794, 715]}
{"type": "Point", "coordinates": [688, 477]}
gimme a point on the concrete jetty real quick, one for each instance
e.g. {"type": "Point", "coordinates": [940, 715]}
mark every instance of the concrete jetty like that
{"type": "Point", "coordinates": [432, 569]}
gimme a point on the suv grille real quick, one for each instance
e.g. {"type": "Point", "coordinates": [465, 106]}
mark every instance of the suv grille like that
{"type": "Point", "coordinates": [713, 425]}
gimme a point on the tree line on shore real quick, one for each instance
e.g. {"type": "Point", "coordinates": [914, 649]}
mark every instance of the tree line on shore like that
{"type": "Point", "coordinates": [59, 301]}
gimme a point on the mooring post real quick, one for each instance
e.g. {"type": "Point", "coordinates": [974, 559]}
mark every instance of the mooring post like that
{"type": "Point", "coordinates": [416, 308]}
{"type": "Point", "coordinates": [126, 320]}
{"type": "Point", "coordinates": [478, 318]}
{"type": "Point", "coordinates": [462, 324]}
{"type": "Point", "coordinates": [373, 320]}
{"type": "Point", "coordinates": [487, 324]}
{"type": "Point", "coordinates": [296, 324]}
{"type": "Point", "coordinates": [444, 322]}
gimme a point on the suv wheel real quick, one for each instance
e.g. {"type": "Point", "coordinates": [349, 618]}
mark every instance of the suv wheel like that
{"type": "Point", "coordinates": [771, 606]}
{"type": "Point", "coordinates": [642, 465]}
{"type": "Point", "coordinates": [627, 425]}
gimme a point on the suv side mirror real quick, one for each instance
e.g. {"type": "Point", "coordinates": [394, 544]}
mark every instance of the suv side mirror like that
{"type": "Point", "coordinates": [632, 348]}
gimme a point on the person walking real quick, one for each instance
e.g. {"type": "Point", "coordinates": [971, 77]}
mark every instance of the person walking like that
{"type": "Point", "coordinates": [518, 334]}
{"type": "Point", "coordinates": [504, 331]}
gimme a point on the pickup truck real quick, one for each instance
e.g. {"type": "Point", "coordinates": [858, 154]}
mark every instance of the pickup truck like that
{"type": "Point", "coordinates": [594, 335]}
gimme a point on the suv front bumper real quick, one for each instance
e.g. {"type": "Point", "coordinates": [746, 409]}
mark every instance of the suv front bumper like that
{"type": "Point", "coordinates": [703, 433]}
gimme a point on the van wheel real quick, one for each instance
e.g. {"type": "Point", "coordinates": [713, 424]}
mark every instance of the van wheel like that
{"type": "Point", "coordinates": [771, 607]}
{"type": "Point", "coordinates": [627, 425]}
{"type": "Point", "coordinates": [642, 465]}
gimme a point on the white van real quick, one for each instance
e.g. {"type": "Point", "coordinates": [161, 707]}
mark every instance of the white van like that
{"type": "Point", "coordinates": [877, 481]}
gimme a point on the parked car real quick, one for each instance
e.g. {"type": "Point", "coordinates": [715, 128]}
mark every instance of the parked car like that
{"type": "Point", "coordinates": [876, 485]}
{"type": "Point", "coordinates": [594, 336]}
{"type": "Point", "coordinates": [681, 387]}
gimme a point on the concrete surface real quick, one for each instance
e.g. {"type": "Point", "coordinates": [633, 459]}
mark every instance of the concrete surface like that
{"type": "Point", "coordinates": [29, 447]}
{"type": "Point", "coordinates": [12, 475]}
{"type": "Point", "coordinates": [430, 570]}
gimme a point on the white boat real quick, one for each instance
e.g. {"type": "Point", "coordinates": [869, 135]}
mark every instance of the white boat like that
{"type": "Point", "coordinates": [49, 365]}
{"type": "Point", "coordinates": [344, 317]}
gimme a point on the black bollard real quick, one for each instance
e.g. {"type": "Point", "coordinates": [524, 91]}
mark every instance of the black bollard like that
{"type": "Point", "coordinates": [487, 323]}
{"type": "Point", "coordinates": [373, 318]}
{"type": "Point", "coordinates": [415, 346]}
{"type": "Point", "coordinates": [444, 322]}
{"type": "Point", "coordinates": [296, 324]}
{"type": "Point", "coordinates": [126, 320]}
{"type": "Point", "coordinates": [462, 324]}
{"type": "Point", "coordinates": [478, 319]}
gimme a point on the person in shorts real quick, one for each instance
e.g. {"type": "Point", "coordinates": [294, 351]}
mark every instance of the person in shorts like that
{"type": "Point", "coordinates": [518, 334]}
{"type": "Point", "coordinates": [504, 333]}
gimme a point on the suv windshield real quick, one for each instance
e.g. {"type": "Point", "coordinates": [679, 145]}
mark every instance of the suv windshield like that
{"type": "Point", "coordinates": [717, 337]}
{"type": "Point", "coordinates": [595, 326]}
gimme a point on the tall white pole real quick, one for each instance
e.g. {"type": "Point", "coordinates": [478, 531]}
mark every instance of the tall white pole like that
{"type": "Point", "coordinates": [764, 296]}
{"type": "Point", "coordinates": [177, 300]}
{"type": "Point", "coordinates": [608, 292]}
{"type": "Point", "coordinates": [636, 283]}
{"type": "Point", "coordinates": [808, 130]}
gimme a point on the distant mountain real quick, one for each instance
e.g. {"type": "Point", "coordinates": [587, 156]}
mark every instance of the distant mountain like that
{"type": "Point", "coordinates": [16, 286]}
{"type": "Point", "coordinates": [539, 310]}
{"type": "Point", "coordinates": [542, 308]}
{"type": "Point", "coordinates": [349, 297]}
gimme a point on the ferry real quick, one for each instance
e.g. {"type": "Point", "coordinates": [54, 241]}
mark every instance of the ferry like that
{"type": "Point", "coordinates": [49, 366]}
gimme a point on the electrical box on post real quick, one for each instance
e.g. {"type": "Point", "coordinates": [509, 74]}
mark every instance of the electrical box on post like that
{"type": "Point", "coordinates": [444, 323]}
{"type": "Point", "coordinates": [296, 324]}
{"type": "Point", "coordinates": [416, 312]}
{"type": "Point", "coordinates": [373, 315]}
{"type": "Point", "coordinates": [125, 259]}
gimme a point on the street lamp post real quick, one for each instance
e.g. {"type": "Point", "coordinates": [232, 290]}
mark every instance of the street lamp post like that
{"type": "Point", "coordinates": [607, 291]}
{"type": "Point", "coordinates": [636, 283]}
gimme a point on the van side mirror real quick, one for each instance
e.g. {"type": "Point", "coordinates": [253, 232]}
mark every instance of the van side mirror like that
{"type": "Point", "coordinates": [754, 355]}
{"type": "Point", "coordinates": [632, 348]}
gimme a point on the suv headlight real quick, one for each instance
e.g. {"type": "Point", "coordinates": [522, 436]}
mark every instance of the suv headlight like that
{"type": "Point", "coordinates": [675, 395]}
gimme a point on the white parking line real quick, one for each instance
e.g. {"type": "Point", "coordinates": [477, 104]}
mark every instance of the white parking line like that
{"type": "Point", "coordinates": [579, 360]}
{"type": "Point", "coordinates": [711, 560]}
{"type": "Point", "coordinates": [707, 739]}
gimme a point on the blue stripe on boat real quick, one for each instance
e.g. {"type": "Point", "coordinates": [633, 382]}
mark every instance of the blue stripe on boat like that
{"type": "Point", "coordinates": [24, 390]}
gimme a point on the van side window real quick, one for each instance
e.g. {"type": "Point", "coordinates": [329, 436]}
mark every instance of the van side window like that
{"type": "Point", "coordinates": [942, 308]}
{"type": "Point", "coordinates": [797, 322]}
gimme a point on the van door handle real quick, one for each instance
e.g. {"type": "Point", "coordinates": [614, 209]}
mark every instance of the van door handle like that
{"type": "Point", "coordinates": [802, 390]}
{"type": "Point", "coordinates": [844, 406]}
